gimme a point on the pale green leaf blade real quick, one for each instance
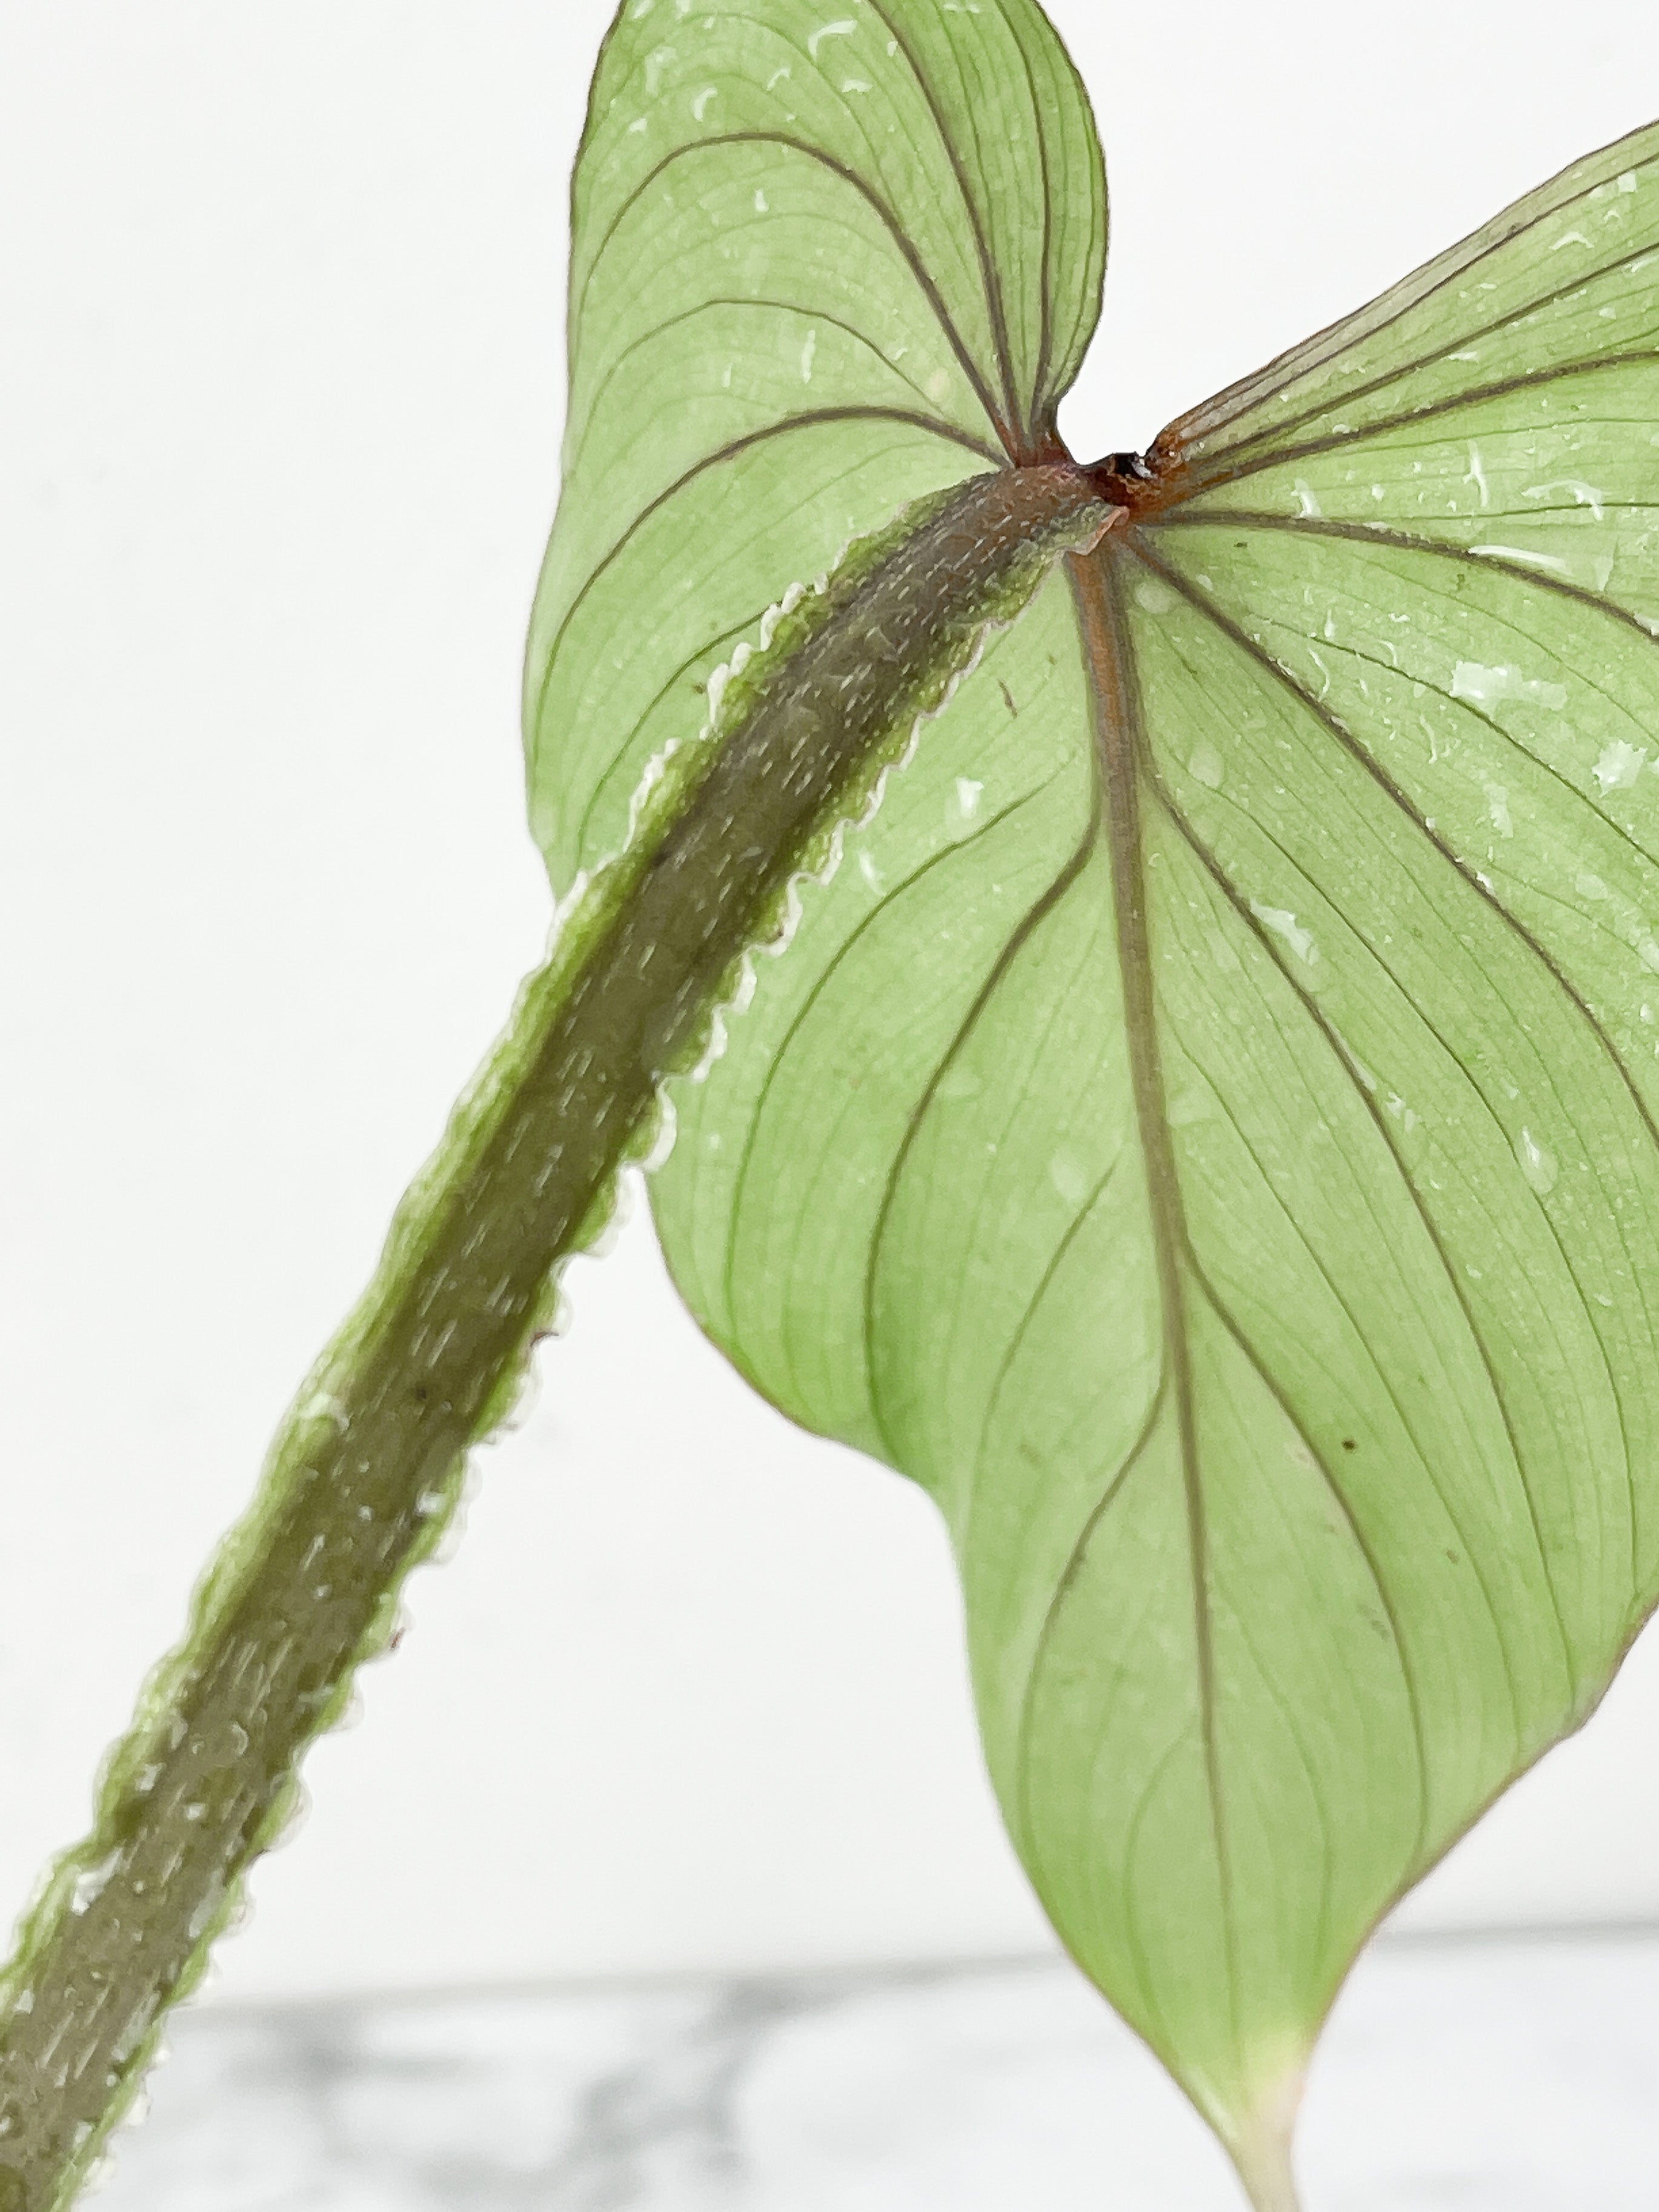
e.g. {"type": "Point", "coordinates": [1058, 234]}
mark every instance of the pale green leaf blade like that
{"type": "Point", "coordinates": [824, 260]}
{"type": "Point", "coordinates": [1228, 1179]}
{"type": "Point", "coordinates": [779, 1178]}
{"type": "Point", "coordinates": [1554, 477]}
{"type": "Point", "coordinates": [1564, 277]}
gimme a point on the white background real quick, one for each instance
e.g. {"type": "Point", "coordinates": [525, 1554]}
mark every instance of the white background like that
{"type": "Point", "coordinates": [280, 292]}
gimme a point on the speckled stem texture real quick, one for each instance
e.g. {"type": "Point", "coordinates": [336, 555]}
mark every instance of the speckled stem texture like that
{"type": "Point", "coordinates": [366, 1470]}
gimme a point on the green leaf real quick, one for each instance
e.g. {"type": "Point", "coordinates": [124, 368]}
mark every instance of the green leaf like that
{"type": "Point", "coordinates": [1295, 1418]}
{"type": "Point", "coordinates": [825, 258]}
{"type": "Point", "coordinates": [1205, 1131]}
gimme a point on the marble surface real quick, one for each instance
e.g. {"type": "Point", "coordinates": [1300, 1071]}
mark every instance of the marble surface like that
{"type": "Point", "coordinates": [1457, 2076]}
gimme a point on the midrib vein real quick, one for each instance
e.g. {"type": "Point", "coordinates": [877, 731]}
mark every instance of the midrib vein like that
{"type": "Point", "coordinates": [1121, 770]}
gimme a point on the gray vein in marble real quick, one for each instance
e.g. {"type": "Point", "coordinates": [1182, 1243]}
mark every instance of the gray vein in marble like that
{"type": "Point", "coordinates": [1499, 2077]}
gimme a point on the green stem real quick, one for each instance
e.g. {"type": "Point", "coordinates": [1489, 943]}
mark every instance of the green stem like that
{"type": "Point", "coordinates": [1261, 2140]}
{"type": "Point", "coordinates": [1269, 2178]}
{"type": "Point", "coordinates": [365, 1471]}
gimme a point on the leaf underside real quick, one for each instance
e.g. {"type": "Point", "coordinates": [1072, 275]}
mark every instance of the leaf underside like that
{"type": "Point", "coordinates": [1205, 1131]}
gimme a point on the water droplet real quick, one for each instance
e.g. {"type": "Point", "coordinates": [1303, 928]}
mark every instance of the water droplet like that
{"type": "Point", "coordinates": [324, 1405]}
{"type": "Point", "coordinates": [1067, 1174]}
{"type": "Point", "coordinates": [1155, 596]}
{"type": "Point", "coordinates": [1309, 506]}
{"type": "Point", "coordinates": [1528, 560]}
{"type": "Point", "coordinates": [1620, 766]}
{"type": "Point", "coordinates": [1488, 687]}
{"type": "Point", "coordinates": [1284, 925]}
{"type": "Point", "coordinates": [1537, 1163]}
{"type": "Point", "coordinates": [828, 31]}
{"type": "Point", "coordinates": [1585, 494]}
{"type": "Point", "coordinates": [91, 1883]}
{"type": "Point", "coordinates": [1207, 766]}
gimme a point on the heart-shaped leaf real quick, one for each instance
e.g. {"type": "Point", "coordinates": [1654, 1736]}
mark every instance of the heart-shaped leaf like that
{"type": "Point", "coordinates": [1205, 1131]}
{"type": "Point", "coordinates": [824, 260]}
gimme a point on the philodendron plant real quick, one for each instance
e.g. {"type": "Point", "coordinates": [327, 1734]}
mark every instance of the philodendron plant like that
{"type": "Point", "coordinates": [1203, 1128]}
